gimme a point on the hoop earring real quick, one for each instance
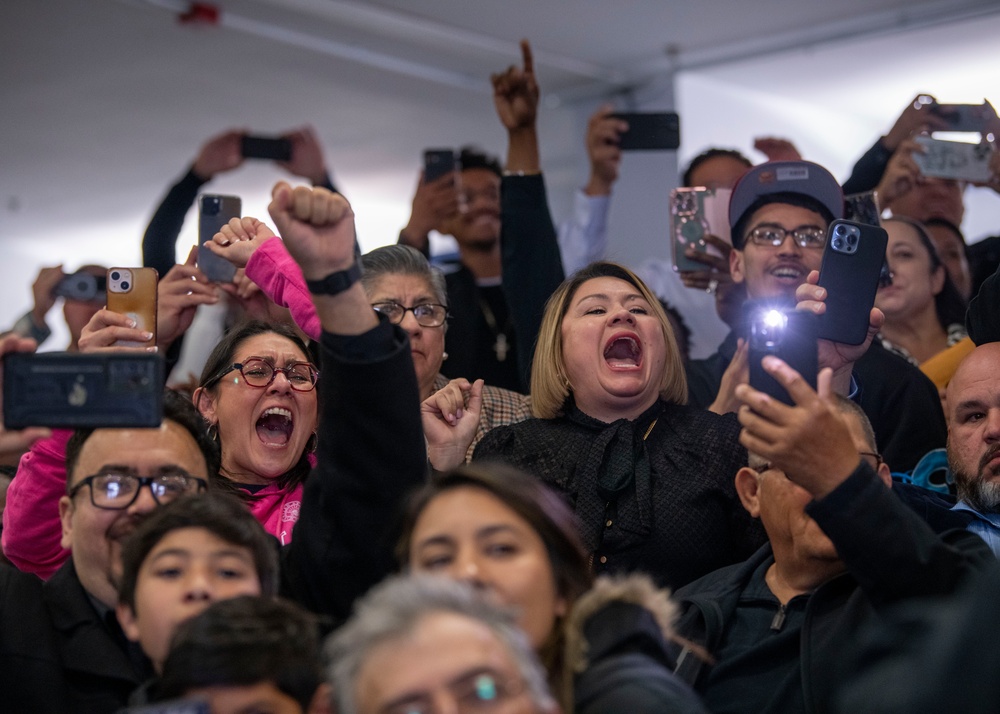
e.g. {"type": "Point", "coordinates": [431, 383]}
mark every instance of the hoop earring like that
{"type": "Point", "coordinates": [312, 443]}
{"type": "Point", "coordinates": [213, 432]}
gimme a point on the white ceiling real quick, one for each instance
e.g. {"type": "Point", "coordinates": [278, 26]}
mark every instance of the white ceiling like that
{"type": "Point", "coordinates": [105, 102]}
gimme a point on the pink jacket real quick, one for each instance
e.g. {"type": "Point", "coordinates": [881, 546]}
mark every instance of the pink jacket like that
{"type": "Point", "coordinates": [32, 531]}
{"type": "Point", "coordinates": [279, 276]}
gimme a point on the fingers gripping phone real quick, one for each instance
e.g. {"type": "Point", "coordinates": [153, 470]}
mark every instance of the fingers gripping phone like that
{"type": "Point", "coordinates": [850, 272]}
{"type": "Point", "coordinates": [132, 292]}
{"type": "Point", "coordinates": [786, 333]}
{"type": "Point", "coordinates": [214, 212]}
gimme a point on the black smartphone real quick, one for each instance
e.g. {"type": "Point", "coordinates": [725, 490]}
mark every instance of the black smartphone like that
{"type": "Point", "coordinates": [649, 131]}
{"type": "Point", "coordinates": [786, 333]}
{"type": "Point", "coordinates": [266, 147]}
{"type": "Point", "coordinates": [438, 162]}
{"type": "Point", "coordinates": [215, 212]}
{"type": "Point", "coordinates": [965, 117]}
{"type": "Point", "coordinates": [850, 272]}
{"type": "Point", "coordinates": [81, 286]}
{"type": "Point", "coordinates": [71, 390]}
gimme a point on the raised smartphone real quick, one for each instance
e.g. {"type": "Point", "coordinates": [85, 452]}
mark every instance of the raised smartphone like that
{"type": "Point", "coordinates": [695, 212]}
{"type": "Point", "coordinates": [786, 333]}
{"type": "Point", "coordinates": [214, 212]}
{"type": "Point", "coordinates": [649, 131]}
{"type": "Point", "coordinates": [266, 147]}
{"type": "Point", "coordinates": [965, 117]}
{"type": "Point", "coordinates": [81, 286]}
{"type": "Point", "coordinates": [438, 162]}
{"type": "Point", "coordinates": [852, 263]}
{"type": "Point", "coordinates": [954, 159]}
{"type": "Point", "coordinates": [73, 390]}
{"type": "Point", "coordinates": [132, 292]}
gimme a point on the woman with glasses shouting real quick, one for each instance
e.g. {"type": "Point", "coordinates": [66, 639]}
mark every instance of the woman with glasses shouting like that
{"type": "Point", "coordinates": [409, 292]}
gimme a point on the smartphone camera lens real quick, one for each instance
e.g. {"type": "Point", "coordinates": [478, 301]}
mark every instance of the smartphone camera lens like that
{"type": "Point", "coordinates": [125, 285]}
{"type": "Point", "coordinates": [838, 243]}
{"type": "Point", "coordinates": [852, 239]}
{"type": "Point", "coordinates": [840, 231]}
{"type": "Point", "coordinates": [116, 275]}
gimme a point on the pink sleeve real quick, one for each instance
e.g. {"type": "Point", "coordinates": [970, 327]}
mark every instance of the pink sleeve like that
{"type": "Point", "coordinates": [32, 531]}
{"type": "Point", "coordinates": [279, 276]}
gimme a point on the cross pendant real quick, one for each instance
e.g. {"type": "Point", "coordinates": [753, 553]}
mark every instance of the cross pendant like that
{"type": "Point", "coordinates": [501, 347]}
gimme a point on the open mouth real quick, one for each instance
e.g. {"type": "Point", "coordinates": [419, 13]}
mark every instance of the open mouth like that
{"type": "Point", "coordinates": [623, 352]}
{"type": "Point", "coordinates": [274, 427]}
{"type": "Point", "coordinates": [788, 272]}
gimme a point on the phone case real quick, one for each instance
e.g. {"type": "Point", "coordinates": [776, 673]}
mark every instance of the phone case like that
{"type": "Point", "coordinates": [265, 147]}
{"type": "Point", "coordinates": [437, 163]}
{"type": "Point", "coordinates": [214, 212]}
{"type": "Point", "coordinates": [132, 292]}
{"type": "Point", "coordinates": [851, 280]}
{"type": "Point", "coordinates": [693, 213]}
{"type": "Point", "coordinates": [954, 159]}
{"type": "Point", "coordinates": [73, 390]}
{"type": "Point", "coordinates": [649, 131]}
{"type": "Point", "coordinates": [794, 343]}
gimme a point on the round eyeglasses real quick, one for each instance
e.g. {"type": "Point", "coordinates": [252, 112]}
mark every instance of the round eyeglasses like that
{"type": "Point", "coordinates": [260, 373]}
{"type": "Point", "coordinates": [114, 491]}
{"type": "Point", "coordinates": [427, 314]}
{"type": "Point", "coordinates": [774, 236]}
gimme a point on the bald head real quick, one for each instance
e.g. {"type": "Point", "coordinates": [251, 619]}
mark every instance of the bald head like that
{"type": "Point", "coordinates": [973, 406]}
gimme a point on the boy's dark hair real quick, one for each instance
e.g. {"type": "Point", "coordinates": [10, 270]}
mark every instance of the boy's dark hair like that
{"type": "Point", "coordinates": [176, 408]}
{"type": "Point", "coordinates": [222, 515]}
{"type": "Point", "coordinates": [471, 157]}
{"type": "Point", "coordinates": [243, 641]}
{"type": "Point", "coordinates": [712, 153]}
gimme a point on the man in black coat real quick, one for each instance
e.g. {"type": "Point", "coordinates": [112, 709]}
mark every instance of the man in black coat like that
{"type": "Point", "coordinates": [783, 627]}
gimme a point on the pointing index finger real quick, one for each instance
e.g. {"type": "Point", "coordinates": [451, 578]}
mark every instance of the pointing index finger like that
{"type": "Point", "coordinates": [529, 62]}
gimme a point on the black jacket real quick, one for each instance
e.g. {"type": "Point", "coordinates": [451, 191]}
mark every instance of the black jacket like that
{"type": "Point", "coordinates": [891, 556]}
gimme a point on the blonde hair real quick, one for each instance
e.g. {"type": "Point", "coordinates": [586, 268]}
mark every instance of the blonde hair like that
{"type": "Point", "coordinates": [549, 384]}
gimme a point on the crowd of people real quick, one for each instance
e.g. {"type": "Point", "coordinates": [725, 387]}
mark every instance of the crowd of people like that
{"type": "Point", "coordinates": [500, 484]}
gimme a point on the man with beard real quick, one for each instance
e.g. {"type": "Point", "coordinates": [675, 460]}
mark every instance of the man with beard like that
{"type": "Point", "coordinates": [509, 259]}
{"type": "Point", "coordinates": [61, 647]}
{"type": "Point", "coordinates": [973, 404]}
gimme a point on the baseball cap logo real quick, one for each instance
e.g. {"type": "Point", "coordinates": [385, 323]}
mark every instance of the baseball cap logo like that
{"type": "Point", "coordinates": [765, 177]}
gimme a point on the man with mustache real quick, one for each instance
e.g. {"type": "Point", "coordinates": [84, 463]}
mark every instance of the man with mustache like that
{"type": "Point", "coordinates": [779, 213]}
{"type": "Point", "coordinates": [973, 405]}
{"type": "Point", "coordinates": [64, 632]}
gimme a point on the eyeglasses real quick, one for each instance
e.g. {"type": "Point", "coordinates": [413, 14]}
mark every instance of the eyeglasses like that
{"type": "Point", "coordinates": [114, 491]}
{"type": "Point", "coordinates": [475, 693]}
{"type": "Point", "coordinates": [428, 314]}
{"type": "Point", "coordinates": [878, 458]}
{"type": "Point", "coordinates": [260, 373]}
{"type": "Point", "coordinates": [774, 236]}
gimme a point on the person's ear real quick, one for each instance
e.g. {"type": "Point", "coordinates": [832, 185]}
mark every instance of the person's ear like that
{"type": "Point", "coordinates": [205, 404]}
{"type": "Point", "coordinates": [127, 620]}
{"type": "Point", "coordinates": [885, 474]}
{"type": "Point", "coordinates": [748, 489]}
{"type": "Point", "coordinates": [66, 509]}
{"type": "Point", "coordinates": [736, 265]}
{"type": "Point", "coordinates": [937, 279]}
{"type": "Point", "coordinates": [322, 701]}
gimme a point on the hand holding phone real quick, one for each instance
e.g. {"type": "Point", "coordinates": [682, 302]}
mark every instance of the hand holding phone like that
{"type": "Point", "coordinates": [696, 213]}
{"type": "Point", "coordinates": [132, 292]}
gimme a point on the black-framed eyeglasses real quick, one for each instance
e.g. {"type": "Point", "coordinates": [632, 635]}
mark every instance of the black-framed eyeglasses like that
{"type": "Point", "coordinates": [878, 457]}
{"type": "Point", "coordinates": [114, 491]}
{"type": "Point", "coordinates": [257, 372]}
{"type": "Point", "coordinates": [774, 236]}
{"type": "Point", "coordinates": [428, 314]}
